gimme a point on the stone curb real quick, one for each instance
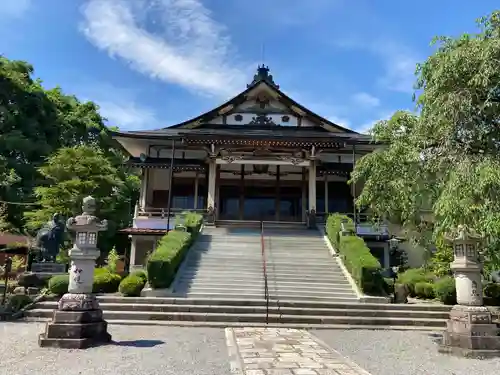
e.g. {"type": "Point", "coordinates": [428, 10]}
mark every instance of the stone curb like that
{"type": "Point", "coordinates": [235, 361]}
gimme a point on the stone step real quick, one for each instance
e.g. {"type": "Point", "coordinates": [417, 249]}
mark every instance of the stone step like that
{"type": "Point", "coordinates": [273, 296]}
{"type": "Point", "coordinates": [261, 301]}
{"type": "Point", "coordinates": [261, 309]}
{"type": "Point", "coordinates": [179, 323]}
{"type": "Point", "coordinates": [269, 264]}
{"type": "Point", "coordinates": [331, 277]}
{"type": "Point", "coordinates": [195, 272]}
{"type": "Point", "coordinates": [276, 289]}
{"type": "Point", "coordinates": [282, 285]}
{"type": "Point", "coordinates": [275, 318]}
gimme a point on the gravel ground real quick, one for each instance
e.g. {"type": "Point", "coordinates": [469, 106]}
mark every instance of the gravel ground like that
{"type": "Point", "coordinates": [400, 352]}
{"type": "Point", "coordinates": [139, 350]}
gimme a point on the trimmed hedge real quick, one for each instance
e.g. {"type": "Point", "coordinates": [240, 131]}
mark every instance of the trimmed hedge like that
{"type": "Point", "coordinates": [142, 274]}
{"type": "Point", "coordinates": [364, 268]}
{"type": "Point", "coordinates": [166, 259]}
{"type": "Point", "coordinates": [445, 290]}
{"type": "Point", "coordinates": [414, 276]}
{"type": "Point", "coordinates": [425, 290]}
{"type": "Point", "coordinates": [59, 284]}
{"type": "Point", "coordinates": [132, 285]}
{"type": "Point", "coordinates": [104, 282]}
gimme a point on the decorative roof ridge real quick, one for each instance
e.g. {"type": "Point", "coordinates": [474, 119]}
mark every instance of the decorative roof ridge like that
{"type": "Point", "coordinates": [263, 75]}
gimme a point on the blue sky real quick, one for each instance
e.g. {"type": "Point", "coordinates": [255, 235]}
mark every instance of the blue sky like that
{"type": "Point", "coordinates": [153, 63]}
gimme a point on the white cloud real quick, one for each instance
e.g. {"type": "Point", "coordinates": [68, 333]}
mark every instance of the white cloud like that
{"type": "Point", "coordinates": [344, 122]}
{"type": "Point", "coordinates": [366, 100]}
{"type": "Point", "coordinates": [398, 61]}
{"type": "Point", "coordinates": [14, 8]}
{"type": "Point", "coordinates": [128, 115]}
{"type": "Point", "coordinates": [368, 125]}
{"type": "Point", "coordinates": [188, 47]}
{"type": "Point", "coordinates": [119, 106]}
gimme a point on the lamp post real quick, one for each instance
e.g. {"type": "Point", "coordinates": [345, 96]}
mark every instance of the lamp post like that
{"type": "Point", "coordinates": [470, 331]}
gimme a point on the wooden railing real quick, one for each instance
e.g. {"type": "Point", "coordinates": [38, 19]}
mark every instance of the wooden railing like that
{"type": "Point", "coordinates": [163, 212]}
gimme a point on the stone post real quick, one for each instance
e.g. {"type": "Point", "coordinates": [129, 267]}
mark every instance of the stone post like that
{"type": "Point", "coordinates": [470, 331]}
{"type": "Point", "coordinates": [78, 322]}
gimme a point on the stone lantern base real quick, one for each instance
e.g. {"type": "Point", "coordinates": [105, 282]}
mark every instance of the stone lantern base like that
{"type": "Point", "coordinates": [77, 324]}
{"type": "Point", "coordinates": [471, 333]}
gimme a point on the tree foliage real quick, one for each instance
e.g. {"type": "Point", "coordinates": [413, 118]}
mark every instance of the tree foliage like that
{"type": "Point", "coordinates": [440, 166]}
{"type": "Point", "coordinates": [55, 149]}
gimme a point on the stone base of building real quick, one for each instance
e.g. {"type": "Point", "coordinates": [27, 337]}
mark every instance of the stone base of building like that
{"type": "Point", "coordinates": [75, 328]}
{"type": "Point", "coordinates": [471, 333]}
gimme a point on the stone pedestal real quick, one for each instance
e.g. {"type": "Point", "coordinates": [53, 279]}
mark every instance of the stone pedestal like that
{"type": "Point", "coordinates": [75, 330]}
{"type": "Point", "coordinates": [471, 333]}
{"type": "Point", "coordinates": [78, 322]}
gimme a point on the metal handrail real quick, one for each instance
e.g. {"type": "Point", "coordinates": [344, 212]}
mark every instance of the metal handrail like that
{"type": "Point", "coordinates": [264, 269]}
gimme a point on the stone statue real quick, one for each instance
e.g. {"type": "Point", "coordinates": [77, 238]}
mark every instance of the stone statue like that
{"type": "Point", "coordinates": [50, 238]}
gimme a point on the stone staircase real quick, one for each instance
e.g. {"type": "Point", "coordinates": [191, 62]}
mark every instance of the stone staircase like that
{"type": "Point", "coordinates": [247, 312]}
{"type": "Point", "coordinates": [221, 283]}
{"type": "Point", "coordinates": [228, 263]}
{"type": "Point", "coordinates": [300, 267]}
{"type": "Point", "coordinates": [223, 263]}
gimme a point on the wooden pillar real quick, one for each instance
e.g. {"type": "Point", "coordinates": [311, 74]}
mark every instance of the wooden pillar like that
{"type": "Point", "coordinates": [143, 194]}
{"type": "Point", "coordinates": [241, 206]}
{"type": "Point", "coordinates": [278, 193]}
{"type": "Point", "coordinates": [304, 190]}
{"type": "Point", "coordinates": [312, 186]}
{"type": "Point", "coordinates": [212, 175]}
{"type": "Point", "coordinates": [196, 184]}
{"type": "Point", "coordinates": [133, 243]}
{"type": "Point", "coordinates": [217, 191]}
{"type": "Point", "coordinates": [326, 193]}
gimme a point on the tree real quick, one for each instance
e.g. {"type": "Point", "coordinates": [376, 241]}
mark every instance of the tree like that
{"type": "Point", "coordinates": [34, 123]}
{"type": "Point", "coordinates": [445, 159]}
{"type": "Point", "coordinates": [73, 173]}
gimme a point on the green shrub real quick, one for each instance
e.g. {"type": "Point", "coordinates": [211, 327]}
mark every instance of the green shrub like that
{"type": "Point", "coordinates": [364, 268]}
{"type": "Point", "coordinates": [491, 293]}
{"type": "Point", "coordinates": [132, 285]}
{"type": "Point", "coordinates": [142, 274]}
{"type": "Point", "coordinates": [492, 290]}
{"type": "Point", "coordinates": [105, 281]}
{"type": "Point", "coordinates": [445, 290]}
{"type": "Point", "coordinates": [424, 290]}
{"type": "Point", "coordinates": [413, 276]}
{"type": "Point", "coordinates": [112, 260]}
{"type": "Point", "coordinates": [165, 260]}
{"type": "Point", "coordinates": [59, 284]}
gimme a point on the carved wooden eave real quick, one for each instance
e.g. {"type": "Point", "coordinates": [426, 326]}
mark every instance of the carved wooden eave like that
{"type": "Point", "coordinates": [226, 109]}
{"type": "Point", "coordinates": [297, 110]}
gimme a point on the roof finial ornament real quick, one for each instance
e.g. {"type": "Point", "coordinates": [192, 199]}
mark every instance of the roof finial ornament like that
{"type": "Point", "coordinates": [263, 75]}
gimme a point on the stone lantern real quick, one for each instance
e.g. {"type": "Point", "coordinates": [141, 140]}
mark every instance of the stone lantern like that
{"type": "Point", "coordinates": [78, 322]}
{"type": "Point", "coordinates": [470, 331]}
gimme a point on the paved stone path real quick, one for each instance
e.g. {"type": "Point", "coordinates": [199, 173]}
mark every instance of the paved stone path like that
{"type": "Point", "coordinates": [284, 351]}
